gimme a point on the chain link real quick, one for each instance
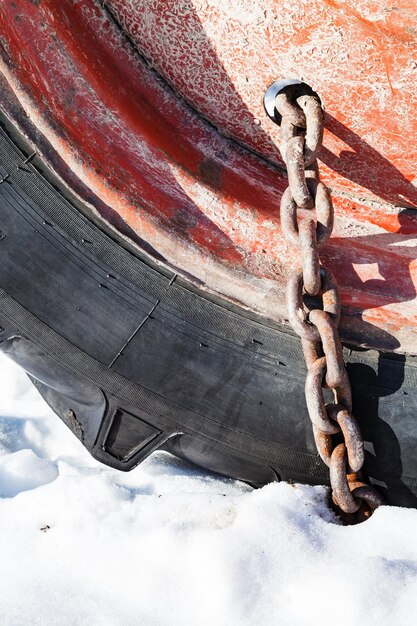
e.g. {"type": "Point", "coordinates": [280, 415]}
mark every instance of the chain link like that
{"type": "Point", "coordinates": [313, 301]}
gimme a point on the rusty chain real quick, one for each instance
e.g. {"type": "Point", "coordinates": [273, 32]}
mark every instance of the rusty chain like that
{"type": "Point", "coordinates": [314, 305]}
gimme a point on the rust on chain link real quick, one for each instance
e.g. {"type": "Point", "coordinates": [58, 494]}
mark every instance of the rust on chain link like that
{"type": "Point", "coordinates": [369, 494]}
{"type": "Point", "coordinates": [324, 215]}
{"type": "Point", "coordinates": [342, 496]}
{"type": "Point", "coordinates": [332, 348]}
{"type": "Point", "coordinates": [310, 253]}
{"type": "Point", "coordinates": [351, 434]}
{"type": "Point", "coordinates": [314, 308]}
{"type": "Point", "coordinates": [324, 444]}
{"type": "Point", "coordinates": [311, 350]}
{"type": "Point", "coordinates": [314, 130]}
{"type": "Point", "coordinates": [314, 398]}
{"type": "Point", "coordinates": [294, 159]}
{"type": "Point", "coordinates": [289, 110]}
{"type": "Point", "coordinates": [298, 307]}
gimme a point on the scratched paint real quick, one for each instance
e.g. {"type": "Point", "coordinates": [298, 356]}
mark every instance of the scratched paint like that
{"type": "Point", "coordinates": [202, 203]}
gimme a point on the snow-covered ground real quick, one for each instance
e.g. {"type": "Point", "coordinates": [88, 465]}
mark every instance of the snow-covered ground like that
{"type": "Point", "coordinates": [170, 545]}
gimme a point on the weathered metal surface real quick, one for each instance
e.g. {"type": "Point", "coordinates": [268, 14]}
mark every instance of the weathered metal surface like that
{"type": "Point", "coordinates": [319, 328]}
{"type": "Point", "coordinates": [196, 200]}
{"type": "Point", "coordinates": [360, 57]}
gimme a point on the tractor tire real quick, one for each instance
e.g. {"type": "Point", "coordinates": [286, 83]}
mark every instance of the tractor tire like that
{"type": "Point", "coordinates": [134, 359]}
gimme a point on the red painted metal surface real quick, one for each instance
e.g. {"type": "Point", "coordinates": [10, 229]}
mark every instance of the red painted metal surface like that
{"type": "Point", "coordinates": [206, 206]}
{"type": "Point", "coordinates": [359, 56]}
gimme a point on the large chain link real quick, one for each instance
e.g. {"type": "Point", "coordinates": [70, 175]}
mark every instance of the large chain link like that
{"type": "Point", "coordinates": [314, 305]}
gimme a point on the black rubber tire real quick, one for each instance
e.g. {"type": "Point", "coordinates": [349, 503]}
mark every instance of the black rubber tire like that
{"type": "Point", "coordinates": [134, 359]}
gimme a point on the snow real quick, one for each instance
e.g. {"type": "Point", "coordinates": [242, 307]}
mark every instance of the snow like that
{"type": "Point", "coordinates": [168, 545]}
